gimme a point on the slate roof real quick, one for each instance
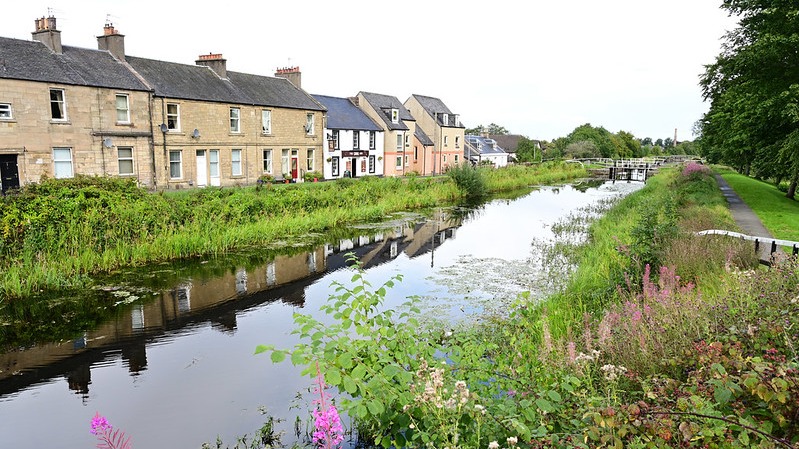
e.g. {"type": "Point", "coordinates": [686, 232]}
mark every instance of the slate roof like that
{"type": "Point", "coordinates": [434, 107]}
{"type": "Point", "coordinates": [34, 61]}
{"type": "Point", "coordinates": [343, 114]}
{"type": "Point", "coordinates": [194, 82]}
{"type": "Point", "coordinates": [384, 104]}
{"type": "Point", "coordinates": [509, 142]}
{"type": "Point", "coordinates": [423, 138]}
{"type": "Point", "coordinates": [487, 146]}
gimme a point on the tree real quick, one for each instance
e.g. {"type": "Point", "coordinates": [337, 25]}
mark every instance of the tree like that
{"type": "Point", "coordinates": [753, 90]}
{"type": "Point", "coordinates": [527, 150]}
{"type": "Point", "coordinates": [646, 142]}
{"type": "Point", "coordinates": [599, 137]}
{"type": "Point", "coordinates": [492, 129]}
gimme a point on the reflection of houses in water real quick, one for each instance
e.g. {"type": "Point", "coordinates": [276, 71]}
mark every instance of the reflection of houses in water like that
{"type": "Point", "coordinates": [216, 300]}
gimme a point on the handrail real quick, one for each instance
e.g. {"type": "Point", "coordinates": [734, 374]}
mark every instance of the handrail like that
{"type": "Point", "coordinates": [752, 238]}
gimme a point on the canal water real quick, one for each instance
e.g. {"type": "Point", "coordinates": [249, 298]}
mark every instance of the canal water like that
{"type": "Point", "coordinates": [174, 364]}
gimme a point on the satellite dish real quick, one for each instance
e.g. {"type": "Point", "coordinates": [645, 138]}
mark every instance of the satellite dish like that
{"type": "Point", "coordinates": [107, 142]}
{"type": "Point", "coordinates": [196, 133]}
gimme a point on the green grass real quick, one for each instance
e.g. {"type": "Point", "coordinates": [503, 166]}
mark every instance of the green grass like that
{"type": "Point", "coordinates": [779, 214]}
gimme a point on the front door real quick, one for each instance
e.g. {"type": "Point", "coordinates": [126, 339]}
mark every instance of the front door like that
{"type": "Point", "coordinates": [202, 169]}
{"type": "Point", "coordinates": [355, 168]}
{"type": "Point", "coordinates": [9, 172]}
{"type": "Point", "coordinates": [295, 165]}
{"type": "Point", "coordinates": [213, 166]}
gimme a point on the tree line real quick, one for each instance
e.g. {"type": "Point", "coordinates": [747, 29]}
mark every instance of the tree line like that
{"type": "Point", "coordinates": [753, 89]}
{"type": "Point", "coordinates": [587, 141]}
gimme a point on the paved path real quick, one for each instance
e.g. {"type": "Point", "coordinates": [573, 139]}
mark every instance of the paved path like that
{"type": "Point", "coordinates": [744, 216]}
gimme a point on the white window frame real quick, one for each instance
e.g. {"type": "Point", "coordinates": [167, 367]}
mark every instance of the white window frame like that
{"type": "Point", "coordinates": [334, 165]}
{"type": "Point", "coordinates": [335, 134]}
{"type": "Point", "coordinates": [173, 118]}
{"type": "Point", "coordinates": [235, 162]}
{"type": "Point", "coordinates": [372, 140]}
{"type": "Point", "coordinates": [235, 120]}
{"type": "Point", "coordinates": [176, 163]}
{"type": "Point", "coordinates": [399, 142]}
{"type": "Point", "coordinates": [372, 163]}
{"type": "Point", "coordinates": [266, 158]}
{"type": "Point", "coordinates": [445, 119]}
{"type": "Point", "coordinates": [60, 161]}
{"type": "Point", "coordinates": [60, 103]}
{"type": "Point", "coordinates": [123, 110]}
{"type": "Point", "coordinates": [6, 113]}
{"type": "Point", "coordinates": [356, 140]}
{"type": "Point", "coordinates": [309, 123]}
{"type": "Point", "coordinates": [399, 161]}
{"type": "Point", "coordinates": [266, 121]}
{"type": "Point", "coordinates": [394, 115]}
{"type": "Point", "coordinates": [285, 161]}
{"type": "Point", "coordinates": [125, 159]}
{"type": "Point", "coordinates": [309, 159]}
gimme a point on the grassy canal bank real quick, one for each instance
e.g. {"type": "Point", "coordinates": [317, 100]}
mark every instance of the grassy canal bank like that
{"type": "Point", "coordinates": [57, 234]}
{"type": "Point", "coordinates": [661, 338]}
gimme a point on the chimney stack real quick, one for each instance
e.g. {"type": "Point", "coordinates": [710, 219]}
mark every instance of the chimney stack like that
{"type": "Point", "coordinates": [216, 62]}
{"type": "Point", "coordinates": [47, 34]}
{"type": "Point", "coordinates": [292, 74]}
{"type": "Point", "coordinates": [112, 41]}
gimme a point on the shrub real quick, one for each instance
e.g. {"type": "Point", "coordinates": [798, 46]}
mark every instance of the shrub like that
{"type": "Point", "coordinates": [468, 179]}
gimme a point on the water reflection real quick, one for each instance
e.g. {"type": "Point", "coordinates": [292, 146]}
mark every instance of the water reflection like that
{"type": "Point", "coordinates": [210, 297]}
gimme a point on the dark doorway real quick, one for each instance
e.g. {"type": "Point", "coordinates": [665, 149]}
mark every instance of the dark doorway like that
{"type": "Point", "coordinates": [9, 172]}
{"type": "Point", "coordinates": [354, 167]}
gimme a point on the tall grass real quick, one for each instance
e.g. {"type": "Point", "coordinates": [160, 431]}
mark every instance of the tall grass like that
{"type": "Point", "coordinates": [54, 234]}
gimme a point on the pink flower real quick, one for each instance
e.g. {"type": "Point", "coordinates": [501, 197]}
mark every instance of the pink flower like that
{"type": "Point", "coordinates": [99, 424]}
{"type": "Point", "coordinates": [329, 432]}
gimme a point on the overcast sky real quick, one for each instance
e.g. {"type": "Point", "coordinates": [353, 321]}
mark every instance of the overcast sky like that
{"type": "Point", "coordinates": [538, 68]}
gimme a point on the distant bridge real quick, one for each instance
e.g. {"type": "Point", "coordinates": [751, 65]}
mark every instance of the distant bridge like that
{"type": "Point", "coordinates": [635, 169]}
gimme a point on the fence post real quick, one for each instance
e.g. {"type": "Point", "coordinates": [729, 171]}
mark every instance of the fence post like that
{"type": "Point", "coordinates": [795, 250]}
{"type": "Point", "coordinates": [773, 246]}
{"type": "Point", "coordinates": [757, 246]}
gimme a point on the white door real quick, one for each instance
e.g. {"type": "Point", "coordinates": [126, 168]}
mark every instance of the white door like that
{"type": "Point", "coordinates": [213, 165]}
{"type": "Point", "coordinates": [202, 169]}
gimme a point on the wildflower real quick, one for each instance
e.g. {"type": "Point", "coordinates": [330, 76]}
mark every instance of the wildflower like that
{"type": "Point", "coordinates": [329, 432]}
{"type": "Point", "coordinates": [493, 445]}
{"type": "Point", "coordinates": [479, 408]}
{"type": "Point", "coordinates": [512, 441]}
{"type": "Point", "coordinates": [99, 424]}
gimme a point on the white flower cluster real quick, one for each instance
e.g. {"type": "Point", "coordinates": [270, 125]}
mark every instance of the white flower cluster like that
{"type": "Point", "coordinates": [586, 358]}
{"type": "Point", "coordinates": [612, 372]}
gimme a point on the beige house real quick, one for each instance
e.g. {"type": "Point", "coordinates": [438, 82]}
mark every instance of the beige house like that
{"type": "Point", "coordinates": [442, 126]}
{"type": "Point", "coordinates": [398, 126]}
{"type": "Point", "coordinates": [67, 111]}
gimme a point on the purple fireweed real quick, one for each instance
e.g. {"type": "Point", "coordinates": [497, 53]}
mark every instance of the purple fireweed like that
{"type": "Point", "coordinates": [106, 436]}
{"type": "Point", "coordinates": [328, 431]}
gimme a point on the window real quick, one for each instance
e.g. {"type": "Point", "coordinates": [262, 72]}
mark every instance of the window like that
{"type": "Point", "coordinates": [363, 165]}
{"type": "Point", "coordinates": [372, 139]}
{"type": "Point", "coordinates": [446, 140]}
{"type": "Point", "coordinates": [267, 161]}
{"type": "Point", "coordinates": [5, 111]}
{"type": "Point", "coordinates": [284, 162]}
{"type": "Point", "coordinates": [125, 160]}
{"type": "Point", "coordinates": [415, 153]}
{"type": "Point", "coordinates": [407, 160]}
{"type": "Point", "coordinates": [235, 120]}
{"type": "Point", "coordinates": [310, 160]}
{"type": "Point", "coordinates": [58, 104]}
{"type": "Point", "coordinates": [399, 161]}
{"type": "Point", "coordinates": [309, 122]}
{"type": "Point", "coordinates": [62, 162]}
{"type": "Point", "coordinates": [266, 121]}
{"type": "Point", "coordinates": [235, 162]}
{"type": "Point", "coordinates": [395, 116]}
{"type": "Point", "coordinates": [334, 165]}
{"type": "Point", "coordinates": [445, 158]}
{"type": "Point", "coordinates": [175, 164]}
{"type": "Point", "coordinates": [445, 119]}
{"type": "Point", "coordinates": [456, 158]}
{"type": "Point", "coordinates": [173, 117]}
{"type": "Point", "coordinates": [213, 163]}
{"type": "Point", "coordinates": [407, 140]}
{"type": "Point", "coordinates": [335, 139]}
{"type": "Point", "coordinates": [356, 138]}
{"type": "Point", "coordinates": [123, 108]}
{"type": "Point", "coordinates": [457, 141]}
{"type": "Point", "coordinates": [372, 163]}
{"type": "Point", "coordinates": [399, 142]}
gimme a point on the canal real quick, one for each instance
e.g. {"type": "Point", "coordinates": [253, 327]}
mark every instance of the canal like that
{"type": "Point", "coordinates": [173, 364]}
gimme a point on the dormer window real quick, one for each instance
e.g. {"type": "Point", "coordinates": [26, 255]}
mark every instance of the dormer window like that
{"type": "Point", "coordinates": [395, 116]}
{"type": "Point", "coordinates": [445, 119]}
{"type": "Point", "coordinates": [457, 120]}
